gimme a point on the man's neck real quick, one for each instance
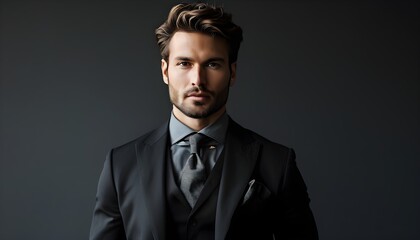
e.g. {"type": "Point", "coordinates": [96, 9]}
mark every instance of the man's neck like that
{"type": "Point", "coordinates": [198, 123]}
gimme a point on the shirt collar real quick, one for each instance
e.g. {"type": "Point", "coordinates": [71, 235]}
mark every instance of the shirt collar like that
{"type": "Point", "coordinates": [216, 130]}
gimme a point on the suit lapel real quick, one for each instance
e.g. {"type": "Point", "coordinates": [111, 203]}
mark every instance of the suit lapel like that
{"type": "Point", "coordinates": [240, 158]}
{"type": "Point", "coordinates": [151, 159]}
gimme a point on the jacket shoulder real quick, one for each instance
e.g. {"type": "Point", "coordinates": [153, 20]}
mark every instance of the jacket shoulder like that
{"type": "Point", "coordinates": [254, 136]}
{"type": "Point", "coordinates": [147, 138]}
{"type": "Point", "coordinates": [124, 156]}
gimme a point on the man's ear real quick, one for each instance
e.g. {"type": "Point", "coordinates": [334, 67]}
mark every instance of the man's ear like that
{"type": "Point", "coordinates": [164, 68]}
{"type": "Point", "coordinates": [232, 74]}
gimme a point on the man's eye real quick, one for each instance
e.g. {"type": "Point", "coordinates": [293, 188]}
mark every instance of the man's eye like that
{"type": "Point", "coordinates": [213, 65]}
{"type": "Point", "coordinates": [183, 64]}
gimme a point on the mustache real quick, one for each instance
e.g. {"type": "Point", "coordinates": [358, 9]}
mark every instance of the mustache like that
{"type": "Point", "coordinates": [197, 89]}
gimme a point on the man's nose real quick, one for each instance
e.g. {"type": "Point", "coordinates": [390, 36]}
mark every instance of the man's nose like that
{"type": "Point", "coordinates": [198, 77]}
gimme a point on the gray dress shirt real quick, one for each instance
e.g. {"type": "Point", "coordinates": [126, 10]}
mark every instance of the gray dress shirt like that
{"type": "Point", "coordinates": [180, 148]}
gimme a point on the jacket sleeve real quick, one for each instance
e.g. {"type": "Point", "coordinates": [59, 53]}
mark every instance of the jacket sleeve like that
{"type": "Point", "coordinates": [107, 222]}
{"type": "Point", "coordinates": [297, 221]}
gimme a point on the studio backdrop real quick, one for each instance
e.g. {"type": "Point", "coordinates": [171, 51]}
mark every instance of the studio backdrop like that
{"type": "Point", "coordinates": [335, 80]}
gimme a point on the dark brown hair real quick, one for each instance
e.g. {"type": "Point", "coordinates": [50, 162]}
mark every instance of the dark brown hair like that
{"type": "Point", "coordinates": [199, 17]}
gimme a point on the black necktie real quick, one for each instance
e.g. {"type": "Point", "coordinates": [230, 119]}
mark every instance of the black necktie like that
{"type": "Point", "coordinates": [193, 175]}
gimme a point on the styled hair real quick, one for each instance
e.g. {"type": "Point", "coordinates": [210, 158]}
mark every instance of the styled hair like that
{"type": "Point", "coordinates": [203, 18]}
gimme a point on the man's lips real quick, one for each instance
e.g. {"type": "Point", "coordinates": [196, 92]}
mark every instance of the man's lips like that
{"type": "Point", "coordinates": [198, 95]}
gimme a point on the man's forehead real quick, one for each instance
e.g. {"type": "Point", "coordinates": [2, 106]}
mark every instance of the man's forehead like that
{"type": "Point", "coordinates": [190, 44]}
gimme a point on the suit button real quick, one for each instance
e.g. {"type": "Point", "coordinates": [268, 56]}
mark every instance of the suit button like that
{"type": "Point", "coordinates": [193, 223]}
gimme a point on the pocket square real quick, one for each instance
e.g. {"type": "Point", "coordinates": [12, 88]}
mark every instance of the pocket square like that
{"type": "Point", "coordinates": [256, 190]}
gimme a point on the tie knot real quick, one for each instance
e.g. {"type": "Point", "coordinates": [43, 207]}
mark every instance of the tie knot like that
{"type": "Point", "coordinates": [195, 140]}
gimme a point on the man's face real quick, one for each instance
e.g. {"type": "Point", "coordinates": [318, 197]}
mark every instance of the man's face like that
{"type": "Point", "coordinates": [198, 74]}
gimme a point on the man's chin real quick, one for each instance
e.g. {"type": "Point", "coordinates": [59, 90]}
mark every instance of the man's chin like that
{"type": "Point", "coordinates": [197, 112]}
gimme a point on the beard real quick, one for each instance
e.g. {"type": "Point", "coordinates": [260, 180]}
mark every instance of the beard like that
{"type": "Point", "coordinates": [200, 109]}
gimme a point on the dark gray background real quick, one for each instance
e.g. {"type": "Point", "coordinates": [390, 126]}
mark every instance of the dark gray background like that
{"type": "Point", "coordinates": [337, 81]}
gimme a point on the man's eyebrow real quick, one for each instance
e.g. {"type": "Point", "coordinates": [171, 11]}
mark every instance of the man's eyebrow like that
{"type": "Point", "coordinates": [216, 59]}
{"type": "Point", "coordinates": [213, 59]}
{"type": "Point", "coordinates": [183, 58]}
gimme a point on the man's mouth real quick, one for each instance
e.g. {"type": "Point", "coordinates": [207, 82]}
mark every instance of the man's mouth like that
{"type": "Point", "coordinates": [198, 95]}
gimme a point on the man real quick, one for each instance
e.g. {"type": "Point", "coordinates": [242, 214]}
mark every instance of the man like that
{"type": "Point", "coordinates": [201, 175]}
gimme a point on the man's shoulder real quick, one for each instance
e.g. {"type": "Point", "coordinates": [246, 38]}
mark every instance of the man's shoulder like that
{"type": "Point", "coordinates": [273, 156]}
{"type": "Point", "coordinates": [146, 138]}
{"type": "Point", "coordinates": [254, 136]}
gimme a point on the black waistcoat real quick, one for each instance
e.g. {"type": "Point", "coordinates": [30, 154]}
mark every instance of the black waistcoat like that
{"type": "Point", "coordinates": [184, 223]}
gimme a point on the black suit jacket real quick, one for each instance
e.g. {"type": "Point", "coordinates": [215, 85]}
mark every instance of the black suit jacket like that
{"type": "Point", "coordinates": [261, 194]}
